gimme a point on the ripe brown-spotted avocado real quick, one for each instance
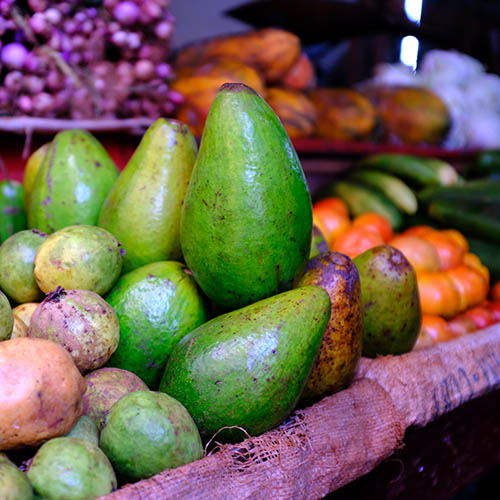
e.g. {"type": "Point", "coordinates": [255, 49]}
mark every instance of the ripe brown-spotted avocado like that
{"type": "Point", "coordinates": [72, 182]}
{"type": "Point", "coordinates": [248, 367]}
{"type": "Point", "coordinates": [391, 304]}
{"type": "Point", "coordinates": [247, 216]}
{"type": "Point", "coordinates": [340, 349]}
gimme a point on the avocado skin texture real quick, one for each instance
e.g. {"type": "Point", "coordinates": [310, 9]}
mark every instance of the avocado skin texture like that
{"type": "Point", "coordinates": [72, 182]}
{"type": "Point", "coordinates": [6, 317]}
{"type": "Point", "coordinates": [156, 305]}
{"type": "Point", "coordinates": [341, 346]}
{"type": "Point", "coordinates": [391, 303]}
{"type": "Point", "coordinates": [247, 217]}
{"type": "Point", "coordinates": [143, 208]}
{"type": "Point", "coordinates": [14, 485]}
{"type": "Point", "coordinates": [248, 367]}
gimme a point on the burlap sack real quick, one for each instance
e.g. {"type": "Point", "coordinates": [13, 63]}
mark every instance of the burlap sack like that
{"type": "Point", "coordinates": [342, 437]}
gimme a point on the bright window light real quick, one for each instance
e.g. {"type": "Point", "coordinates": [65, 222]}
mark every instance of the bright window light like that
{"type": "Point", "coordinates": [413, 10]}
{"type": "Point", "coordinates": [409, 51]}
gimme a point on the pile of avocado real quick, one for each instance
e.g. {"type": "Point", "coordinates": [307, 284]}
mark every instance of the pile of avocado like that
{"type": "Point", "coordinates": [219, 303]}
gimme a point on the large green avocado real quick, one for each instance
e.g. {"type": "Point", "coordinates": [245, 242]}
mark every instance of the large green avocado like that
{"type": "Point", "coordinates": [72, 182]}
{"type": "Point", "coordinates": [156, 305]}
{"type": "Point", "coordinates": [248, 367]}
{"type": "Point", "coordinates": [143, 209]}
{"type": "Point", "coordinates": [247, 217]}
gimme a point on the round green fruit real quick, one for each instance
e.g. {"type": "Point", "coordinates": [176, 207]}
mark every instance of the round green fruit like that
{"type": "Point", "coordinates": [147, 432]}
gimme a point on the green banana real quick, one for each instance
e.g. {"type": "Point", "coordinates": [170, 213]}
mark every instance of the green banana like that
{"type": "Point", "coordinates": [361, 199]}
{"type": "Point", "coordinates": [409, 168]}
{"type": "Point", "coordinates": [393, 187]}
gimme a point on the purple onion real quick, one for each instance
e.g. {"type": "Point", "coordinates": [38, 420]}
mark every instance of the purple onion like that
{"type": "Point", "coordinates": [126, 12]}
{"type": "Point", "coordinates": [5, 98]}
{"type": "Point", "coordinates": [119, 38]}
{"type": "Point", "coordinates": [168, 107]}
{"type": "Point", "coordinates": [53, 15]}
{"type": "Point", "coordinates": [24, 103]}
{"type": "Point", "coordinates": [164, 70]}
{"type": "Point", "coordinates": [80, 16]}
{"type": "Point", "coordinates": [87, 27]}
{"type": "Point", "coordinates": [54, 80]}
{"type": "Point", "coordinates": [164, 29]}
{"type": "Point", "coordinates": [38, 22]}
{"type": "Point", "coordinates": [13, 55]}
{"type": "Point", "coordinates": [92, 12]}
{"type": "Point", "coordinates": [38, 5]}
{"type": "Point", "coordinates": [175, 97]}
{"type": "Point", "coordinates": [13, 81]}
{"type": "Point", "coordinates": [70, 26]}
{"type": "Point", "coordinates": [144, 70]}
{"type": "Point", "coordinates": [33, 84]}
{"type": "Point", "coordinates": [133, 40]}
{"type": "Point", "coordinates": [42, 102]}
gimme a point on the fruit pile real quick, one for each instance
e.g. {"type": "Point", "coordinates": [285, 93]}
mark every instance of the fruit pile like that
{"type": "Point", "coordinates": [453, 282]}
{"type": "Point", "coordinates": [85, 59]}
{"type": "Point", "coordinates": [174, 302]}
{"type": "Point", "coordinates": [273, 63]}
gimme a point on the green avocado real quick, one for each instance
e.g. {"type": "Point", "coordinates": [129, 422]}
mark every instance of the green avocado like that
{"type": "Point", "coordinates": [17, 263]}
{"type": "Point", "coordinates": [156, 305]}
{"type": "Point", "coordinates": [247, 368]}
{"type": "Point", "coordinates": [6, 317]}
{"type": "Point", "coordinates": [12, 214]}
{"type": "Point", "coordinates": [247, 218]}
{"type": "Point", "coordinates": [14, 485]}
{"type": "Point", "coordinates": [143, 208]}
{"type": "Point", "coordinates": [390, 301]}
{"type": "Point", "coordinates": [72, 182]}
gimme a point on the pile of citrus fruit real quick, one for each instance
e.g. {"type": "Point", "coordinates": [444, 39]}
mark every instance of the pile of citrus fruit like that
{"type": "Point", "coordinates": [454, 285]}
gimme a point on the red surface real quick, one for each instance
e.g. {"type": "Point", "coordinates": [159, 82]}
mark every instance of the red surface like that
{"type": "Point", "coordinates": [121, 147]}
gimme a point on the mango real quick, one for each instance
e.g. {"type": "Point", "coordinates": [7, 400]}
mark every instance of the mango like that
{"type": "Point", "coordinates": [341, 346]}
{"type": "Point", "coordinates": [79, 258]}
{"type": "Point", "coordinates": [143, 208]}
{"type": "Point", "coordinates": [147, 432]}
{"type": "Point", "coordinates": [14, 485]}
{"type": "Point", "coordinates": [248, 367]}
{"type": "Point", "coordinates": [17, 264]}
{"type": "Point", "coordinates": [391, 303]}
{"type": "Point", "coordinates": [72, 182]}
{"type": "Point", "coordinates": [156, 306]}
{"type": "Point", "coordinates": [247, 217]}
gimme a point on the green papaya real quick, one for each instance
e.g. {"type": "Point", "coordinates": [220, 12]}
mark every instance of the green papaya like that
{"type": "Point", "coordinates": [247, 368]}
{"type": "Point", "coordinates": [143, 208]}
{"type": "Point", "coordinates": [72, 182]}
{"type": "Point", "coordinates": [247, 217]}
{"type": "Point", "coordinates": [12, 213]}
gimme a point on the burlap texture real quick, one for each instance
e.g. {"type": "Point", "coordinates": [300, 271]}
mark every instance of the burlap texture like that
{"type": "Point", "coordinates": [428, 383]}
{"type": "Point", "coordinates": [319, 449]}
{"type": "Point", "coordinates": [342, 437]}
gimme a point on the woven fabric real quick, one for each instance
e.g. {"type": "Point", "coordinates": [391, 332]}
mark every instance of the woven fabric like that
{"type": "Point", "coordinates": [344, 436]}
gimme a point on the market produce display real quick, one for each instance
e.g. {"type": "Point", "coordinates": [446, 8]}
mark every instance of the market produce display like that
{"type": "Point", "coordinates": [86, 59]}
{"type": "Point", "coordinates": [228, 343]}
